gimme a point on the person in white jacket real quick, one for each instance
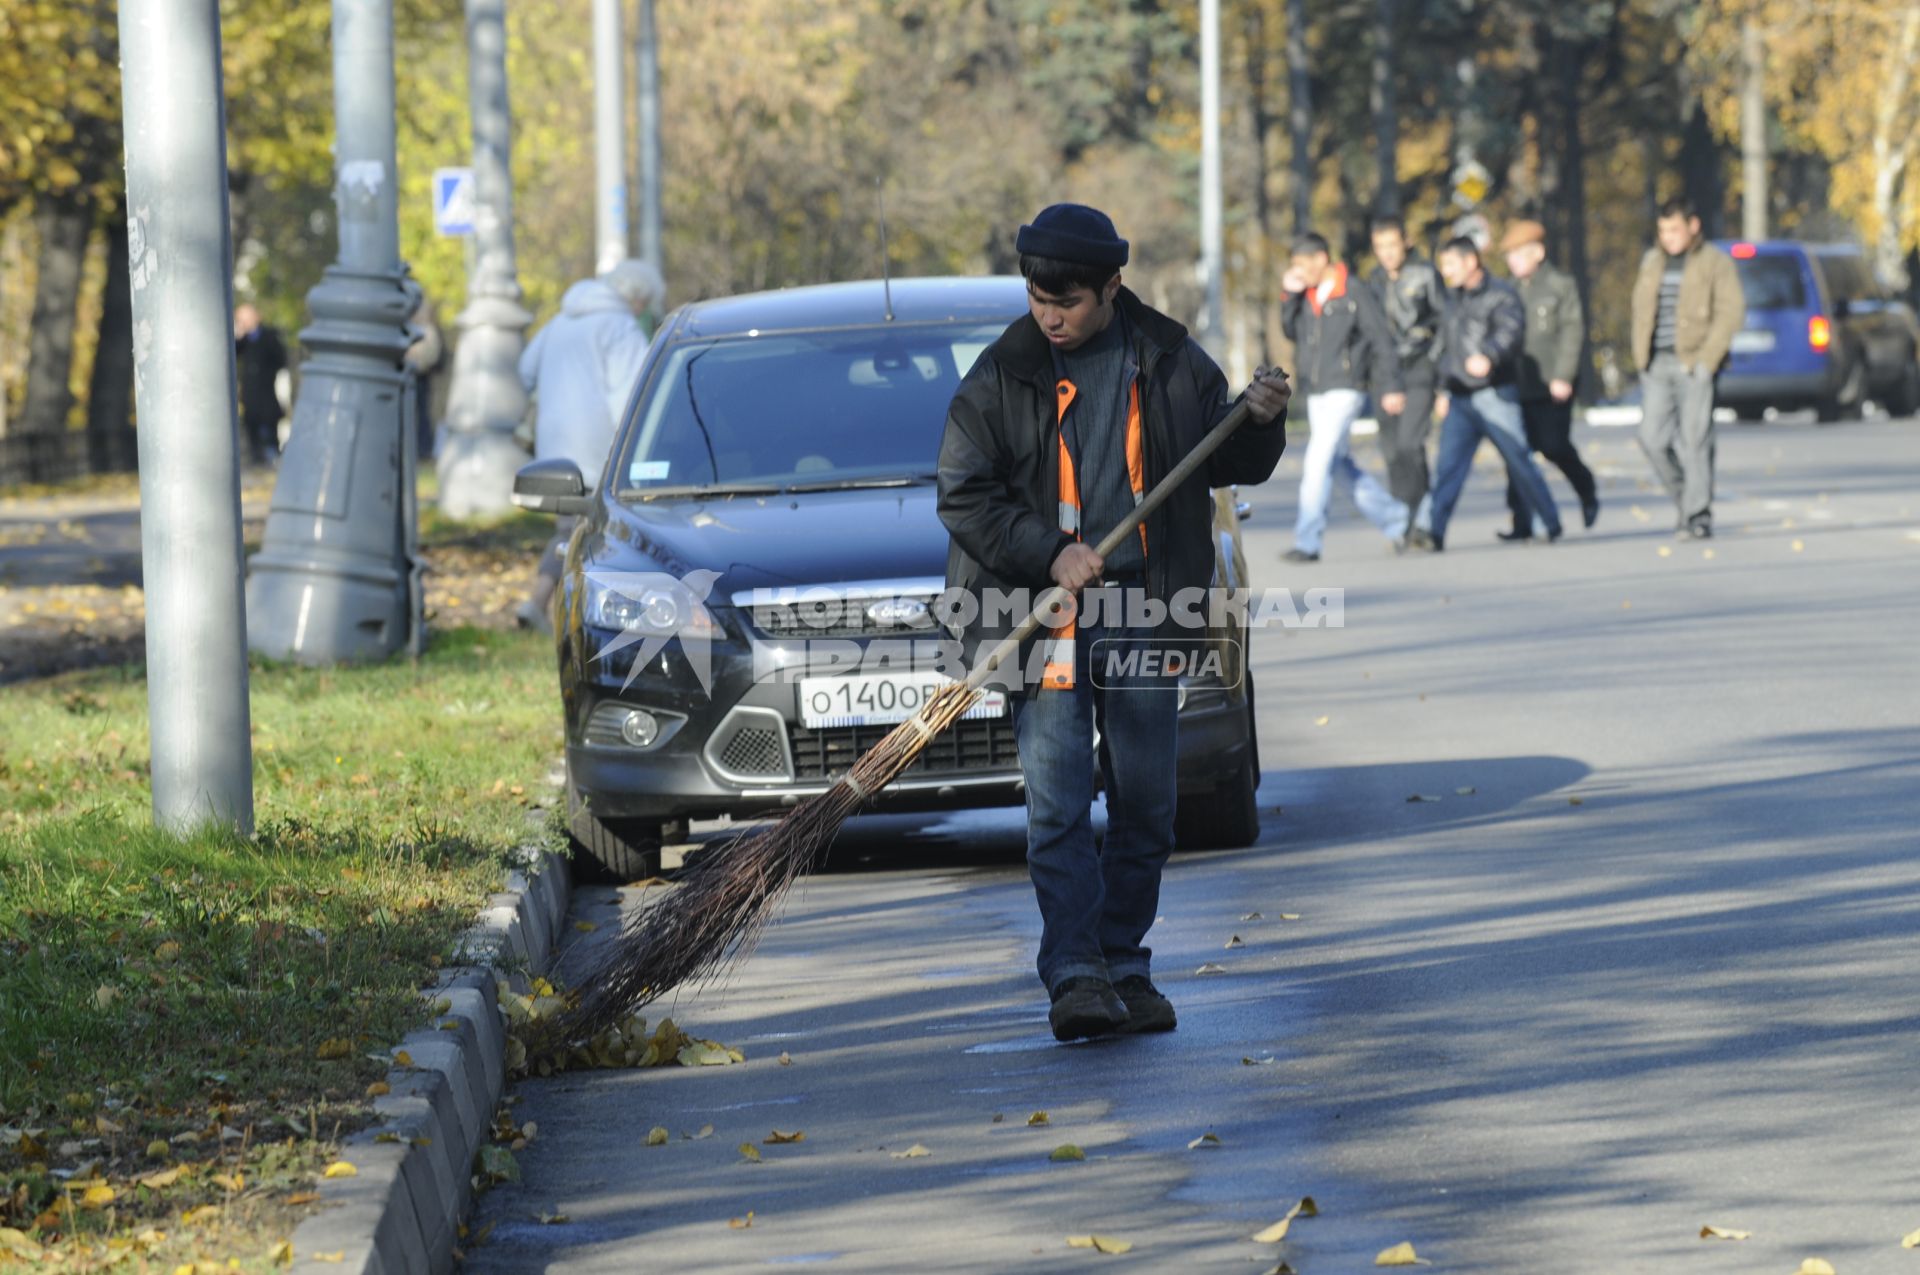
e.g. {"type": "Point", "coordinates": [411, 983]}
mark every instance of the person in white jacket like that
{"type": "Point", "coordinates": [581, 368]}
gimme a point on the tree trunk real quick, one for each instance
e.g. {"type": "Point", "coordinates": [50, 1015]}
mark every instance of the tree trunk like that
{"type": "Point", "coordinates": [1300, 114]}
{"type": "Point", "coordinates": [1890, 150]}
{"type": "Point", "coordinates": [1380, 101]}
{"type": "Point", "coordinates": [1260, 117]}
{"type": "Point", "coordinates": [1700, 167]}
{"type": "Point", "coordinates": [1569, 64]}
{"type": "Point", "coordinates": [62, 223]}
{"type": "Point", "coordinates": [110, 395]}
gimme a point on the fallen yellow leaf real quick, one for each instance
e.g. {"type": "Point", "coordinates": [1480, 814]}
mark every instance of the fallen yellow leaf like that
{"type": "Point", "coordinates": [552, 1219]}
{"type": "Point", "coordinates": [170, 950]}
{"type": "Point", "coordinates": [750, 1152]}
{"type": "Point", "coordinates": [340, 1256]}
{"type": "Point", "coordinates": [1400, 1254]}
{"type": "Point", "coordinates": [97, 1197]}
{"type": "Point", "coordinates": [1797, 546]}
{"type": "Point", "coordinates": [1234, 941]}
{"type": "Point", "coordinates": [1815, 1265]}
{"type": "Point", "coordinates": [19, 1244]}
{"type": "Point", "coordinates": [1038, 1117]}
{"type": "Point", "coordinates": [1211, 968]}
{"type": "Point", "coordinates": [657, 1136]}
{"type": "Point", "coordinates": [159, 1180]}
{"type": "Point", "coordinates": [776, 1137]}
{"type": "Point", "coordinates": [104, 997]}
{"type": "Point", "coordinates": [914, 1152]}
{"type": "Point", "coordinates": [304, 1197]}
{"type": "Point", "coordinates": [786, 1060]}
{"type": "Point", "coordinates": [741, 1223]}
{"type": "Point", "coordinates": [706, 1131]}
{"type": "Point", "coordinates": [1910, 1240]}
{"type": "Point", "coordinates": [1289, 916]}
{"type": "Point", "coordinates": [379, 1089]}
{"type": "Point", "coordinates": [1207, 1139]}
{"type": "Point", "coordinates": [585, 927]}
{"type": "Point", "coordinates": [205, 1213]}
{"type": "Point", "coordinates": [1067, 1151]}
{"type": "Point", "coordinates": [1723, 1233]}
{"type": "Point", "coordinates": [1278, 1231]}
{"type": "Point", "coordinates": [1101, 1243]}
{"type": "Point", "coordinates": [230, 1181]}
{"type": "Point", "coordinates": [339, 1169]}
{"type": "Point", "coordinates": [401, 1058]}
{"type": "Point", "coordinates": [1321, 721]}
{"type": "Point", "coordinates": [281, 1254]}
{"type": "Point", "coordinates": [1665, 551]}
{"type": "Point", "coordinates": [337, 1047]}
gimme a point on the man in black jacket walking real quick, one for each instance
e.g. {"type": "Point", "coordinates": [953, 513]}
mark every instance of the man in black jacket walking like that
{"type": "Point", "coordinates": [1549, 365]}
{"type": "Point", "coordinates": [1480, 342]}
{"type": "Point", "coordinates": [1411, 293]}
{"type": "Point", "coordinates": [1061, 427]}
{"type": "Point", "coordinates": [1342, 348]}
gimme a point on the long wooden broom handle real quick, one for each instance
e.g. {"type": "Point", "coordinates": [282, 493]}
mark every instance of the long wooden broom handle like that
{"type": "Point", "coordinates": [1057, 596]}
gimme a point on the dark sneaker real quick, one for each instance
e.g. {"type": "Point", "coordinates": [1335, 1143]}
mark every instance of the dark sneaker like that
{"type": "Point", "coordinates": [1299, 555]}
{"type": "Point", "coordinates": [1425, 540]}
{"type": "Point", "coordinates": [1514, 535]}
{"type": "Point", "coordinates": [1590, 510]}
{"type": "Point", "coordinates": [1147, 1009]}
{"type": "Point", "coordinates": [1700, 529]}
{"type": "Point", "coordinates": [1085, 1006]}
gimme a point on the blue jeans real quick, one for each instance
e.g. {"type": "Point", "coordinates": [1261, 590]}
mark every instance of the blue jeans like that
{"type": "Point", "coordinates": [1492, 413]}
{"type": "Point", "coordinates": [1330, 417]}
{"type": "Point", "coordinates": [1097, 903]}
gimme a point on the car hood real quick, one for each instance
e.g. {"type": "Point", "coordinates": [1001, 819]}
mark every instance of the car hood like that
{"type": "Point", "coordinates": [767, 542]}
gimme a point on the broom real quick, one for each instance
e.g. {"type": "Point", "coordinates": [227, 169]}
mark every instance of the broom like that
{"type": "Point", "coordinates": [725, 899]}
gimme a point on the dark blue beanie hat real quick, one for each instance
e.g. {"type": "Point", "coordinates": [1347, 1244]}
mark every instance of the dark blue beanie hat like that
{"type": "Point", "coordinates": [1074, 232]}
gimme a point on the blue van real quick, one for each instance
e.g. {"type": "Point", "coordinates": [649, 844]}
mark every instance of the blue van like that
{"type": "Point", "coordinates": [1821, 333]}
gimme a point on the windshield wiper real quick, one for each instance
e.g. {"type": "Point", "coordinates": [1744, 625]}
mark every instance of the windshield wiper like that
{"type": "Point", "coordinates": [701, 489]}
{"type": "Point", "coordinates": [850, 484]}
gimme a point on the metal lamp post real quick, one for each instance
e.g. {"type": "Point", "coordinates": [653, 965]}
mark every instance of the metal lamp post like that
{"type": "Point", "coordinates": [478, 455]}
{"type": "Point", "coordinates": [182, 284]}
{"type": "Point", "coordinates": [336, 578]}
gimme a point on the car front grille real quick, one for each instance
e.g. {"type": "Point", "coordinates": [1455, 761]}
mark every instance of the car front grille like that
{"type": "Point", "coordinates": [840, 618]}
{"type": "Point", "coordinates": [980, 744]}
{"type": "Point", "coordinates": [754, 750]}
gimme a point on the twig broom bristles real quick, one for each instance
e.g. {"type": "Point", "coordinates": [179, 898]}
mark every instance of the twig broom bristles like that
{"type": "Point", "coordinates": [694, 933]}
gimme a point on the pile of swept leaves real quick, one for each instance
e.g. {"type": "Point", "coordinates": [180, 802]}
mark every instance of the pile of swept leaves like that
{"type": "Point", "coordinates": [626, 1044]}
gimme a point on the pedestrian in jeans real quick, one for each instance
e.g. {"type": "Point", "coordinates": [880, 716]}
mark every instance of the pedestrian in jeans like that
{"type": "Point", "coordinates": [1411, 293]}
{"type": "Point", "coordinates": [1062, 426]}
{"type": "Point", "coordinates": [1687, 306]}
{"type": "Point", "coordinates": [1549, 364]}
{"type": "Point", "coordinates": [1342, 347]}
{"type": "Point", "coordinates": [1480, 341]}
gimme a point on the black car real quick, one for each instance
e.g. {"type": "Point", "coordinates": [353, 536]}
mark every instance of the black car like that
{"type": "Point", "coordinates": [766, 520]}
{"type": "Point", "coordinates": [1820, 333]}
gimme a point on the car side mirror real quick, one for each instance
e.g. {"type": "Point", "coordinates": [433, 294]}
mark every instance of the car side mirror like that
{"type": "Point", "coordinates": [551, 487]}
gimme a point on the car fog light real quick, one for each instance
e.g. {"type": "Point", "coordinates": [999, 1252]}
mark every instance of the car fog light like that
{"type": "Point", "coordinates": [640, 728]}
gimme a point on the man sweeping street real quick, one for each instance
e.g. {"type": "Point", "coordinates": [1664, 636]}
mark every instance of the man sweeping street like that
{"type": "Point", "coordinates": [1062, 426]}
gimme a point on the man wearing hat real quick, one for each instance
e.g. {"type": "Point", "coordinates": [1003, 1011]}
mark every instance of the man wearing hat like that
{"type": "Point", "coordinates": [1062, 426]}
{"type": "Point", "coordinates": [1549, 365]}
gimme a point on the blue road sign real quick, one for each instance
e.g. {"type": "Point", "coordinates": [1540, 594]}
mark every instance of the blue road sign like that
{"type": "Point", "coordinates": [453, 202]}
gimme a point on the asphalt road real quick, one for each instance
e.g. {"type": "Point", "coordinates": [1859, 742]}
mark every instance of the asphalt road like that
{"type": "Point", "coordinates": [1655, 970]}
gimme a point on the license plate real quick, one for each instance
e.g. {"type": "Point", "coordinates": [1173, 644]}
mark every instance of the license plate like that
{"type": "Point", "coordinates": [1752, 342]}
{"type": "Point", "coordinates": [879, 699]}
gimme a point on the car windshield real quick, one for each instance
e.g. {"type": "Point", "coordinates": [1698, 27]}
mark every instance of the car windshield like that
{"type": "Point", "coordinates": [816, 410]}
{"type": "Point", "coordinates": [1772, 283]}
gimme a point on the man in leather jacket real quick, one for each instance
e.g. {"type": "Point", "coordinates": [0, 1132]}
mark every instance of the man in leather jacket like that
{"type": "Point", "coordinates": [1414, 298]}
{"type": "Point", "coordinates": [1481, 338]}
{"type": "Point", "coordinates": [1063, 424]}
{"type": "Point", "coordinates": [1343, 347]}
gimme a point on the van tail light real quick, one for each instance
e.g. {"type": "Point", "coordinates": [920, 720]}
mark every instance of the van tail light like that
{"type": "Point", "coordinates": [1819, 333]}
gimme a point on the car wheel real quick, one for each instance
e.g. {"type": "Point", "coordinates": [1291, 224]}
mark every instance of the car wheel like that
{"type": "Point", "coordinates": [610, 851]}
{"type": "Point", "coordinates": [1227, 818]}
{"type": "Point", "coordinates": [1904, 398]}
{"type": "Point", "coordinates": [1846, 401]}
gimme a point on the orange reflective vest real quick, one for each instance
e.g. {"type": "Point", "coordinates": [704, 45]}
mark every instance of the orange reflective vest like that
{"type": "Point", "coordinates": [1058, 671]}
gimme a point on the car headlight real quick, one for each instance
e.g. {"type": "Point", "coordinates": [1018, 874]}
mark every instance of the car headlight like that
{"type": "Point", "coordinates": [656, 606]}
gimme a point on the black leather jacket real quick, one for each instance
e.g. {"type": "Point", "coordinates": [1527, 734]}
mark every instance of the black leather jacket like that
{"type": "Point", "coordinates": [1414, 303]}
{"type": "Point", "coordinates": [1348, 345]}
{"type": "Point", "coordinates": [1489, 320]}
{"type": "Point", "coordinates": [999, 472]}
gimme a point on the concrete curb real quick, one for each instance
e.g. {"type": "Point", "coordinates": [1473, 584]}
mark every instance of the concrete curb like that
{"type": "Point", "coordinates": [400, 1213]}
